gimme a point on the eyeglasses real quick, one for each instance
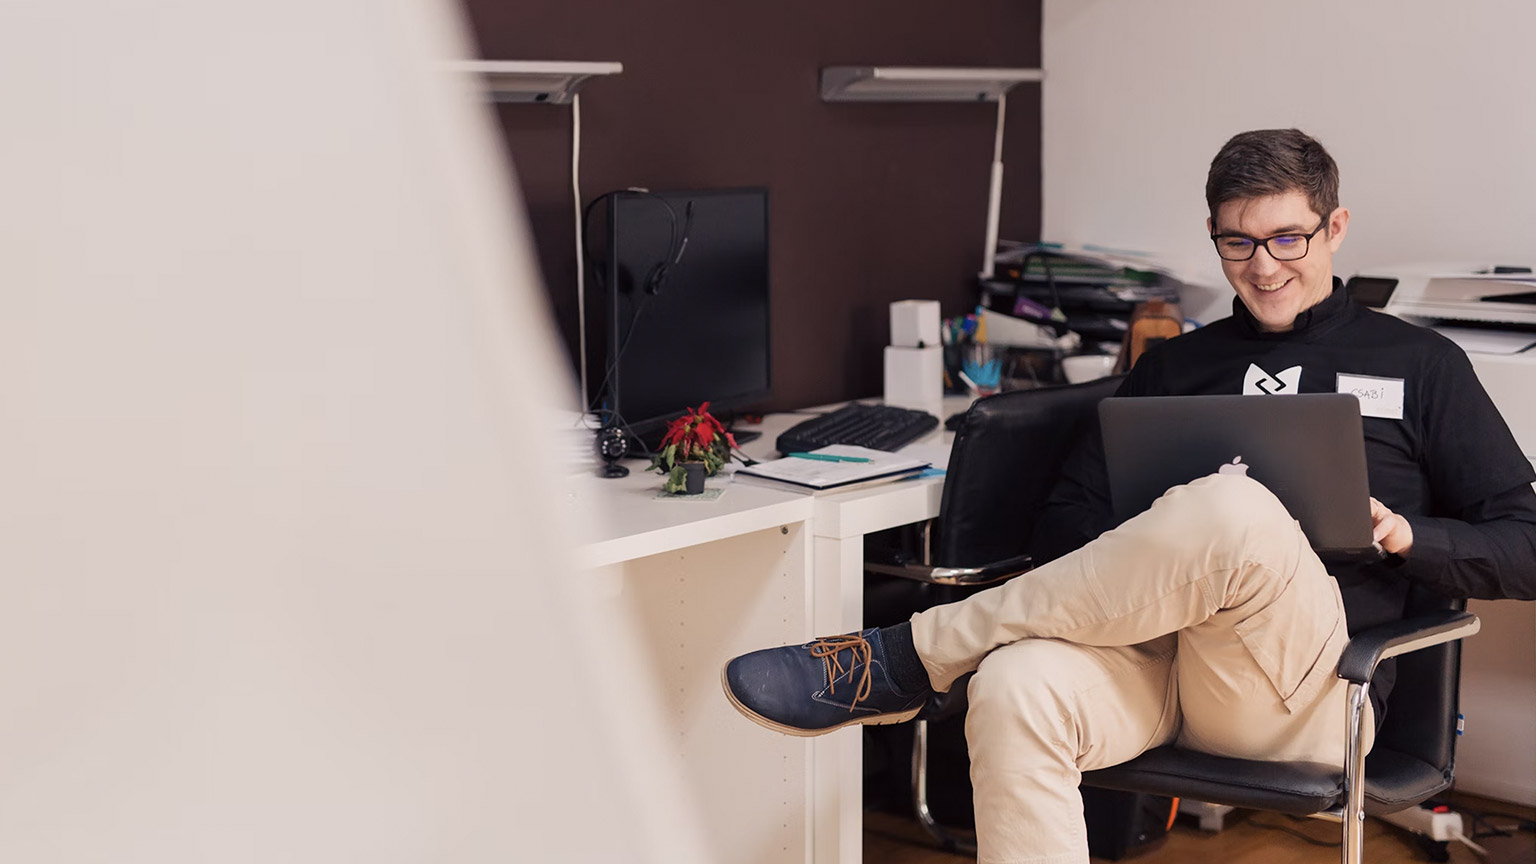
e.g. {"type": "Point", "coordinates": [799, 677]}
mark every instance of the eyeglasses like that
{"type": "Point", "coordinates": [1281, 247]}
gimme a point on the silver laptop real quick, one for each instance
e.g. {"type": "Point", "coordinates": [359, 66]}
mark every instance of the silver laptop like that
{"type": "Point", "coordinates": [1307, 449]}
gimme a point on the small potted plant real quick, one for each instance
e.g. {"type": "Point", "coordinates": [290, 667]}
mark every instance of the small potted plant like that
{"type": "Point", "coordinates": [695, 446]}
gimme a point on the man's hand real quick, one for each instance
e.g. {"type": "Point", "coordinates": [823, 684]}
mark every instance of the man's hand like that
{"type": "Point", "coordinates": [1390, 530]}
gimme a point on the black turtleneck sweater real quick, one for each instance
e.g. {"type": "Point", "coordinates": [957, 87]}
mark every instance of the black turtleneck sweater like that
{"type": "Point", "coordinates": [1450, 466]}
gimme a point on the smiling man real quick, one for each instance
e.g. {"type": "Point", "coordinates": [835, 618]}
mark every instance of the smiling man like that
{"type": "Point", "coordinates": [1206, 621]}
{"type": "Point", "coordinates": [1276, 247]}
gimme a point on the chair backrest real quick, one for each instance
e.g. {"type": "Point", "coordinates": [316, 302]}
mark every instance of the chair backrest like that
{"type": "Point", "coordinates": [1006, 457]}
{"type": "Point", "coordinates": [1422, 711]}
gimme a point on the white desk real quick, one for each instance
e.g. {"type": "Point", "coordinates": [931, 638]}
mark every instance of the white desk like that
{"type": "Point", "coordinates": [704, 581]}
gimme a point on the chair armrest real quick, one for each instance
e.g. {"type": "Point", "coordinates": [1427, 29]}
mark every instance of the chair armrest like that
{"type": "Point", "coordinates": [1365, 650]}
{"type": "Point", "coordinates": [986, 574]}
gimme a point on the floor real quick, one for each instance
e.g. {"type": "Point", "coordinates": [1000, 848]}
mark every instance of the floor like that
{"type": "Point", "coordinates": [1249, 838]}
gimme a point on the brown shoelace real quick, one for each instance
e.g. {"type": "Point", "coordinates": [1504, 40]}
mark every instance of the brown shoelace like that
{"type": "Point", "coordinates": [828, 649]}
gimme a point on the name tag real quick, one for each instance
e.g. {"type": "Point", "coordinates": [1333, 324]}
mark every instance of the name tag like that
{"type": "Point", "coordinates": [1379, 397]}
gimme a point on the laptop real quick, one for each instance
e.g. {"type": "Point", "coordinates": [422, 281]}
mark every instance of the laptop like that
{"type": "Point", "coordinates": [1308, 449]}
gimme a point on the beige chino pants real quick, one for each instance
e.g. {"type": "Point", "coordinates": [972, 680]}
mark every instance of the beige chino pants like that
{"type": "Point", "coordinates": [1207, 621]}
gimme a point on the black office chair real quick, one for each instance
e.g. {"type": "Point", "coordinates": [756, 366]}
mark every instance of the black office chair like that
{"type": "Point", "coordinates": [1006, 456]}
{"type": "Point", "coordinates": [1411, 761]}
{"type": "Point", "coordinates": [1005, 460]}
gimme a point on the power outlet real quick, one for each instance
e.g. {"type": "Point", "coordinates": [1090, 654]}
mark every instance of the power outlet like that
{"type": "Point", "coordinates": [1443, 827]}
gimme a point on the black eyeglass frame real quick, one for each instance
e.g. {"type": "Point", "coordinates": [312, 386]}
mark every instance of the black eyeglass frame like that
{"type": "Point", "coordinates": [1253, 250]}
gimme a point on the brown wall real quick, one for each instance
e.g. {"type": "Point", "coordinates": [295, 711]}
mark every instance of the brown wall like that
{"type": "Point", "coordinates": [869, 202]}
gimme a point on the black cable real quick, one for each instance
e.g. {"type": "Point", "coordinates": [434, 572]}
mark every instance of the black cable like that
{"type": "Point", "coordinates": [586, 247]}
{"type": "Point", "coordinates": [599, 277]}
{"type": "Point", "coordinates": [1493, 830]}
{"type": "Point", "coordinates": [1294, 833]}
{"type": "Point", "coordinates": [687, 232]}
{"type": "Point", "coordinates": [650, 287]}
{"type": "Point", "coordinates": [677, 245]}
{"type": "Point", "coordinates": [1045, 256]}
{"type": "Point", "coordinates": [613, 362]}
{"type": "Point", "coordinates": [1050, 280]}
{"type": "Point", "coordinates": [674, 246]}
{"type": "Point", "coordinates": [1520, 824]}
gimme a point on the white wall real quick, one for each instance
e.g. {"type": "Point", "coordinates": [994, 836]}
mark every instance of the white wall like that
{"type": "Point", "coordinates": [279, 578]}
{"type": "Point", "coordinates": [1497, 756]}
{"type": "Point", "coordinates": [1429, 109]}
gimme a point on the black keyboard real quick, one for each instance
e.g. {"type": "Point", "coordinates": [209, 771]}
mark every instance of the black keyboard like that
{"type": "Point", "coordinates": [878, 427]}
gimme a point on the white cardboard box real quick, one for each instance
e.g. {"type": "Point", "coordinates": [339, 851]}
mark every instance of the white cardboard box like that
{"type": "Point", "coordinates": [914, 323]}
{"type": "Point", "coordinates": [914, 377]}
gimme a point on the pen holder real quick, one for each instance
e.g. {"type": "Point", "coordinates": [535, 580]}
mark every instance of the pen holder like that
{"type": "Point", "coordinates": [954, 358]}
{"type": "Point", "coordinates": [983, 367]}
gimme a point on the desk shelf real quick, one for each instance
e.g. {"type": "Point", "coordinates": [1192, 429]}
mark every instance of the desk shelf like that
{"type": "Point", "coordinates": [541, 81]}
{"type": "Point", "coordinates": [920, 83]}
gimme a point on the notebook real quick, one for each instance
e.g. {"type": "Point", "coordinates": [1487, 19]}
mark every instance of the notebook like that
{"type": "Point", "coordinates": [819, 475]}
{"type": "Point", "coordinates": [1307, 449]}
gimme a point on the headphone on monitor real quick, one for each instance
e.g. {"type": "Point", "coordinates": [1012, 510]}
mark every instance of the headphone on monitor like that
{"type": "Point", "coordinates": [657, 277]}
{"type": "Point", "coordinates": [677, 243]}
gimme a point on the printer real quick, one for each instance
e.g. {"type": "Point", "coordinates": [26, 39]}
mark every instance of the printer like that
{"type": "Point", "coordinates": [1489, 310]}
{"type": "Point", "coordinates": [1496, 296]}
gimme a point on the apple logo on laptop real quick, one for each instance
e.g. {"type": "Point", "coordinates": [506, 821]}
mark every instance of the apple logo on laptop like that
{"type": "Point", "coordinates": [1236, 466]}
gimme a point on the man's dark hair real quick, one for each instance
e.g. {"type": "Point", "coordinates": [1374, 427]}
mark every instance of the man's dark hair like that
{"type": "Point", "coordinates": [1273, 162]}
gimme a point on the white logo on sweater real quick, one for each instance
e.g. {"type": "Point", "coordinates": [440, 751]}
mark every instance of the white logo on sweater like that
{"type": "Point", "coordinates": [1257, 382]}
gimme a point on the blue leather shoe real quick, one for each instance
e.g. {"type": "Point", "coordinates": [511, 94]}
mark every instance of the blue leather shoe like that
{"type": "Point", "coordinates": [820, 686]}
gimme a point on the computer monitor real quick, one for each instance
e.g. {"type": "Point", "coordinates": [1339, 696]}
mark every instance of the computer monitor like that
{"type": "Point", "coordinates": [687, 281]}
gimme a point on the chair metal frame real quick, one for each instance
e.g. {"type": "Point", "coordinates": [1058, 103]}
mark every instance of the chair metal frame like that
{"type": "Point", "coordinates": [1357, 665]}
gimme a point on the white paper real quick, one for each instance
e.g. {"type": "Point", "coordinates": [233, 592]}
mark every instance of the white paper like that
{"type": "Point", "coordinates": [822, 474]}
{"type": "Point", "coordinates": [1379, 397]}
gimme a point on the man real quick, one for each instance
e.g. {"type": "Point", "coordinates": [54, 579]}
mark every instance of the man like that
{"type": "Point", "coordinates": [1207, 621]}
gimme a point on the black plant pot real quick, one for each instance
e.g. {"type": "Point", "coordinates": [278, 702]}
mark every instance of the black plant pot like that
{"type": "Point", "coordinates": [693, 478]}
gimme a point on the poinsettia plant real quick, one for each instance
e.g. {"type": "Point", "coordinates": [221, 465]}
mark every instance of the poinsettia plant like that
{"type": "Point", "coordinates": [694, 437]}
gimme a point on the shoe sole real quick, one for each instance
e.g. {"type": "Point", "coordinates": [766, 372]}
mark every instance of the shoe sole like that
{"type": "Point", "coordinates": [866, 720]}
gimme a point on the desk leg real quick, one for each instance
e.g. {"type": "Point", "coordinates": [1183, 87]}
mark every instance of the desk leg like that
{"type": "Point", "coordinates": [837, 606]}
{"type": "Point", "coordinates": [711, 785]}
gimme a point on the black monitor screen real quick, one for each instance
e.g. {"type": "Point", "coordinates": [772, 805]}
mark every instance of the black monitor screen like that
{"type": "Point", "coordinates": [691, 331]}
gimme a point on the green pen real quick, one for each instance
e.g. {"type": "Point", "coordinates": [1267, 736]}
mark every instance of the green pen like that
{"type": "Point", "coordinates": [828, 457]}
